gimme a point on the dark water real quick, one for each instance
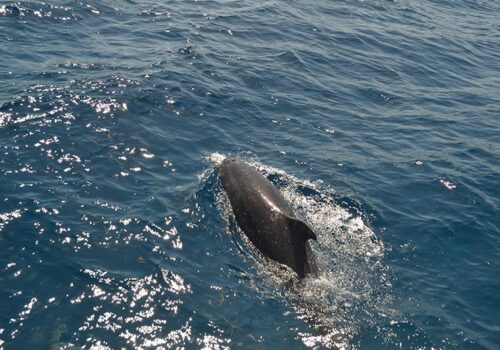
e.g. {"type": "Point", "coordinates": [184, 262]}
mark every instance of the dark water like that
{"type": "Point", "coordinates": [378, 120]}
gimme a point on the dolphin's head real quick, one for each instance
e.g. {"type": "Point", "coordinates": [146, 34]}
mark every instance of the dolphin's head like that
{"type": "Point", "coordinates": [226, 163]}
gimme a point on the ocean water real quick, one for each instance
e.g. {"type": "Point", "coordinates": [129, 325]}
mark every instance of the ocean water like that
{"type": "Point", "coordinates": [378, 120]}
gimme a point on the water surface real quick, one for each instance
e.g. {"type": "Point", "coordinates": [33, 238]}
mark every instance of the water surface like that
{"type": "Point", "coordinates": [378, 121]}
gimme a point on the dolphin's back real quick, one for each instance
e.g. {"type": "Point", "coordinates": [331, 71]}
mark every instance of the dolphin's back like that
{"type": "Point", "coordinates": [265, 217]}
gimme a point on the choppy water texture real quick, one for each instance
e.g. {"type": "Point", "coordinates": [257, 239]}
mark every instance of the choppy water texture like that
{"type": "Point", "coordinates": [378, 120]}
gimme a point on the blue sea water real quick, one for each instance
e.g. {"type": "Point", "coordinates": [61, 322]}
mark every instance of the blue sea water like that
{"type": "Point", "coordinates": [378, 120]}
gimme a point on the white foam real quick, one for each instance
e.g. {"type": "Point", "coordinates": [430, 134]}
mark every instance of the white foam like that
{"type": "Point", "coordinates": [216, 158]}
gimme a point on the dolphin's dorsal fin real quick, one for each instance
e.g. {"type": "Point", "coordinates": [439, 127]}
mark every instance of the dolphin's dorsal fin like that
{"type": "Point", "coordinates": [300, 228]}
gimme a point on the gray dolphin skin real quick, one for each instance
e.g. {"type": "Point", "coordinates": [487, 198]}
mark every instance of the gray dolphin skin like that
{"type": "Point", "coordinates": [266, 218]}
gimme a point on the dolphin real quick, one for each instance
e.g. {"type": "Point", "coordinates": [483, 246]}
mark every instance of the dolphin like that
{"type": "Point", "coordinates": [266, 218]}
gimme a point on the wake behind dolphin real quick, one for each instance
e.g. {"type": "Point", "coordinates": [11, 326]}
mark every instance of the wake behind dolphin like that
{"type": "Point", "coordinates": [266, 218]}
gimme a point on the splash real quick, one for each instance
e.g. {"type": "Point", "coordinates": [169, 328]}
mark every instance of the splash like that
{"type": "Point", "coordinates": [216, 158]}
